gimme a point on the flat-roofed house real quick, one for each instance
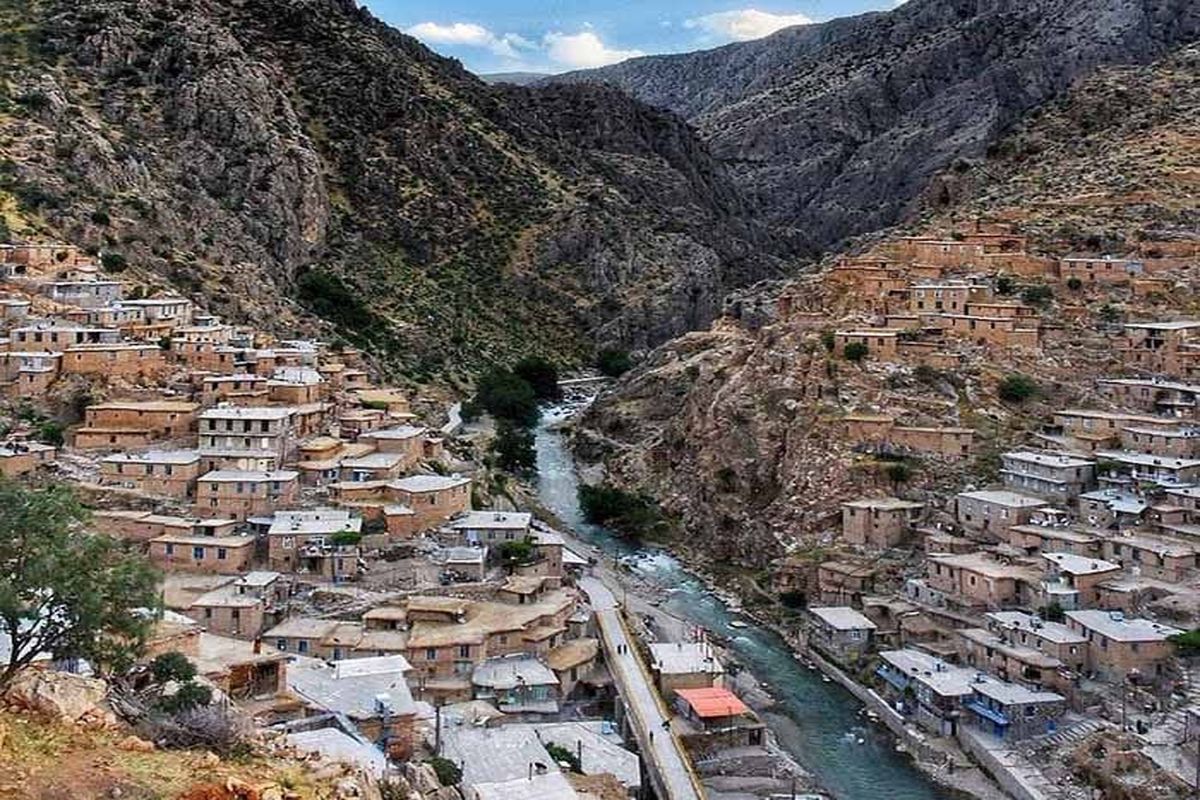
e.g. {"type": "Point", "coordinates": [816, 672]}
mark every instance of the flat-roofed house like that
{"type": "Point", "coordinates": [1072, 581]}
{"type": "Point", "coordinates": [119, 424]}
{"type": "Point", "coordinates": [240, 494]}
{"type": "Point", "coordinates": [990, 514]}
{"type": "Point", "coordinates": [169, 473]}
{"type": "Point", "coordinates": [296, 538]}
{"type": "Point", "coordinates": [926, 688]}
{"type": "Point", "coordinates": [1148, 468]}
{"type": "Point", "coordinates": [371, 467]}
{"type": "Point", "coordinates": [407, 441]}
{"type": "Point", "coordinates": [684, 665]}
{"type": "Point", "coordinates": [1121, 647]}
{"type": "Point", "coordinates": [840, 632]}
{"type": "Point", "coordinates": [517, 684]}
{"type": "Point", "coordinates": [22, 458]}
{"type": "Point", "coordinates": [975, 580]}
{"type": "Point", "coordinates": [1011, 712]}
{"type": "Point", "coordinates": [1156, 346]}
{"type": "Point", "coordinates": [1055, 639]}
{"type": "Point", "coordinates": [1057, 476]}
{"type": "Point", "coordinates": [487, 527]}
{"type": "Point", "coordinates": [246, 436]}
{"type": "Point", "coordinates": [433, 498]}
{"type": "Point", "coordinates": [1154, 556]}
{"type": "Point", "coordinates": [195, 551]}
{"type": "Point", "coordinates": [880, 522]}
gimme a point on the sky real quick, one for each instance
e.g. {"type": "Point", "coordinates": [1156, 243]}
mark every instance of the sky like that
{"type": "Point", "coordinates": [561, 35]}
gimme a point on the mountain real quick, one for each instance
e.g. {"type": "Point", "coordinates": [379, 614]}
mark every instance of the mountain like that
{"type": "Point", "coordinates": [835, 129]}
{"type": "Point", "coordinates": [735, 430]}
{"type": "Point", "coordinates": [272, 156]}
{"type": "Point", "coordinates": [515, 78]}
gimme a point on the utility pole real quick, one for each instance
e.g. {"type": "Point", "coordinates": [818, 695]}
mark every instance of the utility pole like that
{"type": "Point", "coordinates": [437, 736]}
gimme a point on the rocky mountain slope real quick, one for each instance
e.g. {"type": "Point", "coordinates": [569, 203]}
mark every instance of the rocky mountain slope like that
{"type": "Point", "coordinates": [262, 151]}
{"type": "Point", "coordinates": [735, 429]}
{"type": "Point", "coordinates": [835, 129]}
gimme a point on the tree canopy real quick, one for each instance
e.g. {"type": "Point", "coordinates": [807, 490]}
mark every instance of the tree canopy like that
{"type": "Point", "coordinates": [65, 591]}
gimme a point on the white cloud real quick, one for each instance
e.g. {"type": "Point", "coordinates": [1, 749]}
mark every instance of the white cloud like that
{"type": "Point", "coordinates": [745, 23]}
{"type": "Point", "coordinates": [583, 50]}
{"type": "Point", "coordinates": [468, 34]}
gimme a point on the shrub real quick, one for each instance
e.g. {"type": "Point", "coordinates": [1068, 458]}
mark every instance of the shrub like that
{"type": "Point", "coordinates": [828, 340]}
{"type": "Point", "coordinates": [898, 472]}
{"type": "Point", "coordinates": [613, 362]}
{"type": "Point", "coordinates": [1017, 388]}
{"type": "Point", "coordinates": [100, 217]}
{"type": "Point", "coordinates": [1186, 644]}
{"type": "Point", "coordinates": [513, 447]}
{"type": "Point", "coordinates": [564, 756]}
{"type": "Point", "coordinates": [345, 538]}
{"type": "Point", "coordinates": [856, 351]}
{"type": "Point", "coordinates": [626, 512]}
{"type": "Point", "coordinates": [188, 696]}
{"type": "Point", "coordinates": [508, 397]}
{"type": "Point", "coordinates": [516, 552]}
{"type": "Point", "coordinates": [1052, 612]}
{"type": "Point", "coordinates": [792, 599]}
{"type": "Point", "coordinates": [1074, 284]}
{"type": "Point", "coordinates": [539, 374]}
{"type": "Point", "coordinates": [1037, 295]}
{"type": "Point", "coordinates": [172, 666]}
{"type": "Point", "coordinates": [113, 262]}
{"type": "Point", "coordinates": [448, 773]}
{"type": "Point", "coordinates": [1004, 285]}
{"type": "Point", "coordinates": [51, 433]}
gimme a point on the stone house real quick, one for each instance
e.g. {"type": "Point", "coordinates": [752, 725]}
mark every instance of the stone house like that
{"type": "Point", "coordinates": [1011, 712]}
{"type": "Point", "coordinates": [1052, 475]}
{"type": "Point", "coordinates": [407, 441]}
{"type": "Point", "coordinates": [169, 473]}
{"type": "Point", "coordinates": [433, 498]}
{"type": "Point", "coordinates": [1154, 556]}
{"type": "Point", "coordinates": [1105, 270]}
{"type": "Point", "coordinates": [239, 494]}
{"type": "Point", "coordinates": [879, 523]}
{"type": "Point", "coordinates": [974, 580]}
{"type": "Point", "coordinates": [1073, 581]}
{"type": "Point", "coordinates": [840, 633]}
{"type": "Point", "coordinates": [224, 555]}
{"type": "Point", "coordinates": [263, 434]}
{"type": "Point", "coordinates": [1157, 346]}
{"type": "Point", "coordinates": [1167, 397]}
{"type": "Point", "coordinates": [21, 457]}
{"type": "Point", "coordinates": [684, 665]}
{"type": "Point", "coordinates": [881, 344]}
{"type": "Point", "coordinates": [119, 425]}
{"type": "Point", "coordinates": [925, 688]}
{"type": "Point", "coordinates": [239, 389]}
{"type": "Point", "coordinates": [1121, 647]}
{"type": "Point", "coordinates": [124, 360]}
{"type": "Point", "coordinates": [1148, 468]}
{"type": "Point", "coordinates": [1055, 639]}
{"type": "Point", "coordinates": [844, 583]}
{"type": "Point", "coordinates": [990, 514]}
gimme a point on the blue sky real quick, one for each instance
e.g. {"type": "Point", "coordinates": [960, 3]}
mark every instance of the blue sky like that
{"type": "Point", "coordinates": [560, 35]}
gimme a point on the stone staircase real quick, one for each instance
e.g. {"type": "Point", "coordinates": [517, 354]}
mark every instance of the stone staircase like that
{"type": "Point", "coordinates": [1072, 735]}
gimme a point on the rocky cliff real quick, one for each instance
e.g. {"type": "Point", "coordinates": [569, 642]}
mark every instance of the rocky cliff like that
{"type": "Point", "coordinates": [736, 429]}
{"type": "Point", "coordinates": [835, 129]}
{"type": "Point", "coordinates": [259, 152]}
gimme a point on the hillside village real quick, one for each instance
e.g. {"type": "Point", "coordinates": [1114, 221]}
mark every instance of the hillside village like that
{"type": "Point", "coordinates": [1020, 589]}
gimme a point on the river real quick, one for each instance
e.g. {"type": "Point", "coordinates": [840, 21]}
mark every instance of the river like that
{"type": "Point", "coordinates": [849, 758]}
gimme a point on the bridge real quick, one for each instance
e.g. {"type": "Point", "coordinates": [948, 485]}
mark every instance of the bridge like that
{"type": "Point", "coordinates": [670, 770]}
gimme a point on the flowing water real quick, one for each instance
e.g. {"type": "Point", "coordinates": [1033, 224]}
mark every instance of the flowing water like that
{"type": "Point", "coordinates": [850, 757]}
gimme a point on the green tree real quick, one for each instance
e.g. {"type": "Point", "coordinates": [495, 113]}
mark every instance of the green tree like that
{"type": "Point", "coordinates": [51, 432]}
{"type": "Point", "coordinates": [898, 472]}
{"type": "Point", "coordinates": [539, 374]}
{"type": "Point", "coordinates": [1074, 284]}
{"type": "Point", "coordinates": [516, 552]}
{"type": "Point", "coordinates": [828, 340]}
{"type": "Point", "coordinates": [1005, 285]}
{"type": "Point", "coordinates": [1017, 388]}
{"type": "Point", "coordinates": [513, 447]}
{"type": "Point", "coordinates": [856, 351]}
{"type": "Point", "coordinates": [613, 362]}
{"type": "Point", "coordinates": [113, 262]}
{"type": "Point", "coordinates": [172, 666]}
{"type": "Point", "coordinates": [65, 591]}
{"type": "Point", "coordinates": [1186, 644]}
{"type": "Point", "coordinates": [506, 396]}
{"type": "Point", "coordinates": [448, 773]}
{"type": "Point", "coordinates": [1037, 295]}
{"type": "Point", "coordinates": [187, 696]}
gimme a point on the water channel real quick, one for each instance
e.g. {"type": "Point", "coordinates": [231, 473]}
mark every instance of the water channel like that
{"type": "Point", "coordinates": [851, 758]}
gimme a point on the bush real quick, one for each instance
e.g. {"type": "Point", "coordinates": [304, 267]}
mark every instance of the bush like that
{"type": "Point", "coordinates": [172, 666]}
{"type": "Point", "coordinates": [1037, 295]}
{"type": "Point", "coordinates": [100, 217]}
{"type": "Point", "coordinates": [345, 538]}
{"type": "Point", "coordinates": [828, 340]}
{"type": "Point", "coordinates": [540, 374]}
{"type": "Point", "coordinates": [613, 362]}
{"type": "Point", "coordinates": [448, 773]}
{"type": "Point", "coordinates": [51, 433]}
{"type": "Point", "coordinates": [513, 447]}
{"type": "Point", "coordinates": [792, 599]}
{"type": "Point", "coordinates": [564, 756]}
{"type": "Point", "coordinates": [856, 351]}
{"type": "Point", "coordinates": [507, 397]}
{"type": "Point", "coordinates": [1004, 285]}
{"type": "Point", "coordinates": [624, 511]}
{"type": "Point", "coordinates": [1017, 388]}
{"type": "Point", "coordinates": [188, 696]}
{"type": "Point", "coordinates": [898, 472]}
{"type": "Point", "coordinates": [1074, 284]}
{"type": "Point", "coordinates": [1186, 644]}
{"type": "Point", "coordinates": [113, 262]}
{"type": "Point", "coordinates": [517, 552]}
{"type": "Point", "coordinates": [1052, 613]}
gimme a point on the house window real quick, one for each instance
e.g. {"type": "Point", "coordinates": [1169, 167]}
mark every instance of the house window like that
{"type": "Point", "coordinates": [170, 549]}
{"type": "Point", "coordinates": [221, 553]}
{"type": "Point", "coordinates": [464, 651]}
{"type": "Point", "coordinates": [281, 644]}
{"type": "Point", "coordinates": [430, 654]}
{"type": "Point", "coordinates": [302, 646]}
{"type": "Point", "coordinates": [198, 553]}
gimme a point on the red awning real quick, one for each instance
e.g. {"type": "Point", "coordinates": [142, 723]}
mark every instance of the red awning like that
{"type": "Point", "coordinates": [713, 702]}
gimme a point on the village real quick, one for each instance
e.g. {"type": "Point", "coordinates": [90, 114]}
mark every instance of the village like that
{"type": "Point", "coordinates": [326, 565]}
{"type": "Point", "coordinates": [1033, 619]}
{"type": "Point", "coordinates": [330, 568]}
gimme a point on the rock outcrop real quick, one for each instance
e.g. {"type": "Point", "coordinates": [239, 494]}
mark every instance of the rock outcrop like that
{"type": "Point", "coordinates": [834, 129]}
{"type": "Point", "coordinates": [265, 152]}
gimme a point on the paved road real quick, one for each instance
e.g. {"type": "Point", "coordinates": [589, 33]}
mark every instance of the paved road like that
{"type": "Point", "coordinates": [661, 749]}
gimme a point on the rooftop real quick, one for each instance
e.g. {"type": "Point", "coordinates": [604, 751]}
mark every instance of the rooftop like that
{"type": "Point", "coordinates": [1003, 497]}
{"type": "Point", "coordinates": [353, 688]}
{"type": "Point", "coordinates": [713, 702]}
{"type": "Point", "coordinates": [1116, 626]}
{"type": "Point", "coordinates": [429, 483]}
{"type": "Point", "coordinates": [1080, 565]}
{"type": "Point", "coordinates": [510, 672]}
{"type": "Point", "coordinates": [492, 520]}
{"type": "Point", "coordinates": [1047, 459]}
{"type": "Point", "coordinates": [682, 658]}
{"type": "Point", "coordinates": [842, 618]}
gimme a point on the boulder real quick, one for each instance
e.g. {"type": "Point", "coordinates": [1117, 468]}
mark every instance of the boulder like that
{"type": "Point", "coordinates": [136, 745]}
{"type": "Point", "coordinates": [60, 695]}
{"type": "Point", "coordinates": [422, 778]}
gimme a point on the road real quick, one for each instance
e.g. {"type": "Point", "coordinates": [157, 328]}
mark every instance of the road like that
{"type": "Point", "coordinates": [673, 774]}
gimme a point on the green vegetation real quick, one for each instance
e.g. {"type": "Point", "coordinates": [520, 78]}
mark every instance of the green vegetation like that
{"type": "Point", "coordinates": [113, 262]}
{"type": "Point", "coordinates": [856, 352]}
{"type": "Point", "coordinates": [1005, 285]}
{"type": "Point", "coordinates": [513, 448]}
{"type": "Point", "coordinates": [793, 599]}
{"type": "Point", "coordinates": [172, 666]}
{"type": "Point", "coordinates": [345, 538]}
{"type": "Point", "coordinates": [898, 472]}
{"type": "Point", "coordinates": [627, 513]}
{"type": "Point", "coordinates": [828, 340]}
{"type": "Point", "coordinates": [1037, 295]}
{"type": "Point", "coordinates": [1186, 644]}
{"type": "Point", "coordinates": [564, 756]}
{"type": "Point", "coordinates": [448, 773]}
{"type": "Point", "coordinates": [187, 696]}
{"type": "Point", "coordinates": [613, 362]}
{"type": "Point", "coordinates": [518, 552]}
{"type": "Point", "coordinates": [1017, 388]}
{"type": "Point", "coordinates": [1074, 284]}
{"type": "Point", "coordinates": [506, 396]}
{"type": "Point", "coordinates": [540, 374]}
{"type": "Point", "coordinates": [76, 594]}
{"type": "Point", "coordinates": [51, 432]}
{"type": "Point", "coordinates": [1052, 613]}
